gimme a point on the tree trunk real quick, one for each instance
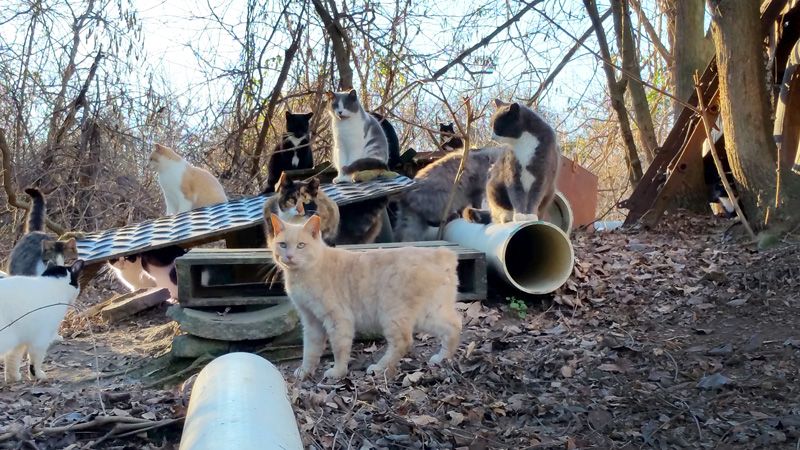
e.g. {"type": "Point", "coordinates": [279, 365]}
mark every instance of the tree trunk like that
{"type": "Point", "coordinates": [616, 91]}
{"type": "Point", "coordinates": [746, 115]}
{"type": "Point", "coordinates": [633, 73]}
{"type": "Point", "coordinates": [341, 50]}
{"type": "Point", "coordinates": [691, 48]}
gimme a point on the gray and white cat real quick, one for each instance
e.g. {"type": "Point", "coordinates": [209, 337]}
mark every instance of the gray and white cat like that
{"type": "Point", "coordinates": [356, 133]}
{"type": "Point", "coordinates": [522, 183]}
{"type": "Point", "coordinates": [422, 205]}
{"type": "Point", "coordinates": [36, 248]}
{"type": "Point", "coordinates": [31, 310]}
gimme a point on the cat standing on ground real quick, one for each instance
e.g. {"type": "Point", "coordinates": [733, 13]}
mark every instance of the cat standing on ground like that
{"type": "Point", "coordinates": [294, 152]}
{"type": "Point", "coordinates": [522, 183]}
{"type": "Point", "coordinates": [31, 310]}
{"type": "Point", "coordinates": [356, 134]}
{"type": "Point", "coordinates": [185, 186]}
{"type": "Point", "coordinates": [36, 248]}
{"type": "Point", "coordinates": [339, 292]}
{"type": "Point", "coordinates": [450, 141]}
{"type": "Point", "coordinates": [295, 201]}
{"type": "Point", "coordinates": [421, 206]}
{"type": "Point", "coordinates": [153, 268]}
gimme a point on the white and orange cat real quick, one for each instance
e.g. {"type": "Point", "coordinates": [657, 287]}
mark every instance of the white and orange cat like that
{"type": "Point", "coordinates": [185, 186]}
{"type": "Point", "coordinates": [340, 292]}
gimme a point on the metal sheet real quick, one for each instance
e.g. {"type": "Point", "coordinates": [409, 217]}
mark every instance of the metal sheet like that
{"type": "Point", "coordinates": [203, 223]}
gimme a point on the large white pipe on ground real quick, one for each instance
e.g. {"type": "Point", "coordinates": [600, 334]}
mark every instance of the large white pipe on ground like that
{"type": "Point", "coordinates": [239, 401]}
{"type": "Point", "coordinates": [534, 257]}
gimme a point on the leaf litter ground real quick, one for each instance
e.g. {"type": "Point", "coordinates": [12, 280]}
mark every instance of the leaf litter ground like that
{"type": "Point", "coordinates": [671, 338]}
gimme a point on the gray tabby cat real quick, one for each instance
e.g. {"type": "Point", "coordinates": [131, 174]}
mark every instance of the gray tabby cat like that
{"type": "Point", "coordinates": [36, 248]}
{"type": "Point", "coordinates": [356, 133]}
{"type": "Point", "coordinates": [421, 206]}
{"type": "Point", "coordinates": [522, 183]}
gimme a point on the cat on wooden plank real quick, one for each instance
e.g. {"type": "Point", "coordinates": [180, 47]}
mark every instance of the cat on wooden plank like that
{"type": "Point", "coordinates": [36, 248]}
{"type": "Point", "coordinates": [153, 268]}
{"type": "Point", "coordinates": [294, 152]}
{"type": "Point", "coordinates": [185, 186]}
{"type": "Point", "coordinates": [450, 141]}
{"type": "Point", "coordinates": [295, 201]}
{"type": "Point", "coordinates": [356, 134]}
{"type": "Point", "coordinates": [522, 183]}
{"type": "Point", "coordinates": [31, 310]}
{"type": "Point", "coordinates": [421, 206]}
{"type": "Point", "coordinates": [338, 293]}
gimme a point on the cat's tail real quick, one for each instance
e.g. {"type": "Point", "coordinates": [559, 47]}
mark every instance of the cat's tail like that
{"type": "Point", "coordinates": [36, 215]}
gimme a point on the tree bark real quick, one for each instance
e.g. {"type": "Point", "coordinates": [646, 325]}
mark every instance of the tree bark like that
{"type": "Point", "coordinates": [616, 91]}
{"type": "Point", "coordinates": [691, 48]}
{"type": "Point", "coordinates": [341, 51]}
{"type": "Point", "coordinates": [633, 73]}
{"type": "Point", "coordinates": [752, 154]}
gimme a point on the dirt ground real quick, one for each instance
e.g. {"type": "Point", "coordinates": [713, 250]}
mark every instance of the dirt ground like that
{"type": "Point", "coordinates": [680, 337]}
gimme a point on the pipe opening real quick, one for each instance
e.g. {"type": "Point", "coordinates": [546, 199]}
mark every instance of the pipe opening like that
{"type": "Point", "coordinates": [539, 258]}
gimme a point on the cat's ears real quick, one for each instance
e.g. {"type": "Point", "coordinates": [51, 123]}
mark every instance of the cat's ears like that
{"type": "Point", "coordinates": [352, 94]}
{"type": "Point", "coordinates": [513, 107]}
{"type": "Point", "coordinates": [77, 267]}
{"type": "Point", "coordinates": [283, 182]}
{"type": "Point", "coordinates": [307, 115]}
{"type": "Point", "coordinates": [329, 95]}
{"type": "Point", "coordinates": [72, 243]}
{"type": "Point", "coordinates": [312, 226]}
{"type": "Point", "coordinates": [313, 186]}
{"type": "Point", "coordinates": [277, 224]}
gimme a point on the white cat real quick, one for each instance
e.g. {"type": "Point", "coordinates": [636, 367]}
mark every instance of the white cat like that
{"type": "Point", "coordinates": [185, 186]}
{"type": "Point", "coordinates": [31, 310]}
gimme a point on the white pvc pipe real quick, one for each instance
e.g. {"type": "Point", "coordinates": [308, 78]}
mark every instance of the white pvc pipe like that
{"type": "Point", "coordinates": [239, 401]}
{"type": "Point", "coordinates": [534, 257]}
{"type": "Point", "coordinates": [560, 213]}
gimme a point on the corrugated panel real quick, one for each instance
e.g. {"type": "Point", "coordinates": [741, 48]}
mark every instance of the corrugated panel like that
{"type": "Point", "coordinates": [204, 223]}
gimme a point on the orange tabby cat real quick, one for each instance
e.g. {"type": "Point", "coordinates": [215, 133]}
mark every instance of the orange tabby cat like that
{"type": "Point", "coordinates": [340, 292]}
{"type": "Point", "coordinates": [185, 186]}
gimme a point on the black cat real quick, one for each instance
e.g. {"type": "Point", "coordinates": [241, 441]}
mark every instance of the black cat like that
{"type": "Point", "coordinates": [391, 138]}
{"type": "Point", "coordinates": [449, 141]}
{"type": "Point", "coordinates": [294, 151]}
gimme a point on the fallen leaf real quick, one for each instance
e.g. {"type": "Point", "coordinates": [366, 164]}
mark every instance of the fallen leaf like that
{"type": "Point", "coordinates": [456, 418]}
{"type": "Point", "coordinates": [424, 420]}
{"type": "Point", "coordinates": [567, 371]}
{"type": "Point", "coordinates": [713, 382]}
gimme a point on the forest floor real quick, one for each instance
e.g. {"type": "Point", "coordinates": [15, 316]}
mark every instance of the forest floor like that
{"type": "Point", "coordinates": [680, 338]}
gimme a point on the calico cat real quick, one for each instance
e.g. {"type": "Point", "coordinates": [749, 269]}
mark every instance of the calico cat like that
{"type": "Point", "coordinates": [450, 141]}
{"type": "Point", "coordinates": [29, 322]}
{"type": "Point", "coordinates": [294, 151]}
{"type": "Point", "coordinates": [296, 200]}
{"type": "Point", "coordinates": [36, 248]}
{"type": "Point", "coordinates": [185, 186]}
{"type": "Point", "coordinates": [153, 268]}
{"type": "Point", "coordinates": [338, 293]}
{"type": "Point", "coordinates": [422, 205]}
{"type": "Point", "coordinates": [522, 183]}
{"type": "Point", "coordinates": [356, 134]}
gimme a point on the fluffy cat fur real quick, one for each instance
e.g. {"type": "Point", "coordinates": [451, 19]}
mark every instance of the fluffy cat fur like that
{"type": "Point", "coordinates": [422, 205]}
{"type": "Point", "coordinates": [30, 329]}
{"type": "Point", "coordinates": [522, 183]}
{"type": "Point", "coordinates": [36, 248]}
{"type": "Point", "coordinates": [185, 186]}
{"type": "Point", "coordinates": [338, 293]}
{"type": "Point", "coordinates": [356, 134]}
{"type": "Point", "coordinates": [154, 268]}
{"type": "Point", "coordinates": [297, 200]}
{"type": "Point", "coordinates": [294, 152]}
{"type": "Point", "coordinates": [450, 141]}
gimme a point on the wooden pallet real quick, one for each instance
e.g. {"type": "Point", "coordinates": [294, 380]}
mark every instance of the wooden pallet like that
{"type": "Point", "coordinates": [244, 270]}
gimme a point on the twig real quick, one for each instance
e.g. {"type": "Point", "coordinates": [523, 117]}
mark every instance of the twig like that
{"type": "Point", "coordinates": [717, 162]}
{"type": "Point", "coordinates": [461, 165]}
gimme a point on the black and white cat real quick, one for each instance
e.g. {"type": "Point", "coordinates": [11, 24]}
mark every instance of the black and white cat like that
{"type": "Point", "coordinates": [450, 141]}
{"type": "Point", "coordinates": [31, 310]}
{"type": "Point", "coordinates": [36, 248]}
{"type": "Point", "coordinates": [154, 268]}
{"type": "Point", "coordinates": [356, 134]}
{"type": "Point", "coordinates": [294, 152]}
{"type": "Point", "coordinates": [522, 183]}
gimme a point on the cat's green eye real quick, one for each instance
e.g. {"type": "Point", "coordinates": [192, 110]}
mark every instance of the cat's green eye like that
{"type": "Point", "coordinates": [282, 244]}
{"type": "Point", "coordinates": [301, 245]}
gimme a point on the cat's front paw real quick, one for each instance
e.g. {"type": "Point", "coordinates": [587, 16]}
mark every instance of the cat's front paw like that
{"type": "Point", "coordinates": [12, 377]}
{"type": "Point", "coordinates": [436, 359]}
{"type": "Point", "coordinates": [342, 179]}
{"type": "Point", "coordinates": [335, 373]}
{"type": "Point", "coordinates": [519, 217]}
{"type": "Point", "coordinates": [303, 372]}
{"type": "Point", "coordinates": [375, 369]}
{"type": "Point", "coordinates": [470, 215]}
